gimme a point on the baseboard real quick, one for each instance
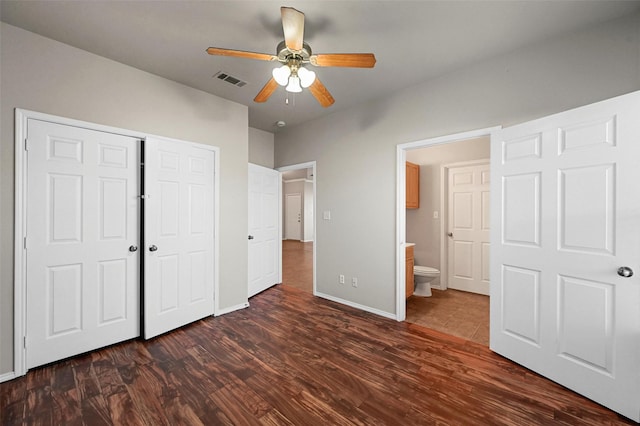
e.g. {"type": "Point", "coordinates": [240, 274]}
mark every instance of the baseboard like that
{"type": "Point", "coordinates": [231, 309]}
{"type": "Point", "coordinates": [7, 376]}
{"type": "Point", "coordinates": [357, 306]}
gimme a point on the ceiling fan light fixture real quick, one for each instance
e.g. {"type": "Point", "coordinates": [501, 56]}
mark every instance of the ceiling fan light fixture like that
{"type": "Point", "coordinates": [307, 77]}
{"type": "Point", "coordinates": [294, 85]}
{"type": "Point", "coordinates": [281, 75]}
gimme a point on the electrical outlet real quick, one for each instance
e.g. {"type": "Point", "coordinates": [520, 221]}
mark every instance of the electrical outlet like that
{"type": "Point", "coordinates": [341, 279]}
{"type": "Point", "coordinates": [354, 282]}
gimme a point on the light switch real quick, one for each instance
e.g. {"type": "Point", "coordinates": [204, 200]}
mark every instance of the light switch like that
{"type": "Point", "coordinates": [326, 215]}
{"type": "Point", "coordinates": [436, 214]}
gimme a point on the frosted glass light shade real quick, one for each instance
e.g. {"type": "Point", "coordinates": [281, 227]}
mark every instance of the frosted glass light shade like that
{"type": "Point", "coordinates": [294, 85]}
{"type": "Point", "coordinates": [281, 75]}
{"type": "Point", "coordinates": [306, 77]}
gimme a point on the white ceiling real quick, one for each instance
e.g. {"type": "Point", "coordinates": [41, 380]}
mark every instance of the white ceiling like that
{"type": "Point", "coordinates": [413, 41]}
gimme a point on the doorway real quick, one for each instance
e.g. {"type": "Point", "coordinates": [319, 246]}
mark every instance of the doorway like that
{"type": "Point", "coordinates": [402, 152]}
{"type": "Point", "coordinates": [451, 215]}
{"type": "Point", "coordinates": [299, 225]}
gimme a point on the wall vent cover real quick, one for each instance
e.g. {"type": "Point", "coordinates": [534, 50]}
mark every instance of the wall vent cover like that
{"type": "Point", "coordinates": [229, 79]}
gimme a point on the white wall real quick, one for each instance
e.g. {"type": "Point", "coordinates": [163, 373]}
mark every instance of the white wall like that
{"type": "Point", "coordinates": [43, 75]}
{"type": "Point", "coordinates": [261, 147]}
{"type": "Point", "coordinates": [307, 231]}
{"type": "Point", "coordinates": [422, 228]}
{"type": "Point", "coordinates": [355, 148]}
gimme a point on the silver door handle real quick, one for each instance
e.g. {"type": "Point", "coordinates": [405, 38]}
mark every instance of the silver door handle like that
{"type": "Point", "coordinates": [625, 271]}
{"type": "Point", "coordinates": [153, 248]}
{"type": "Point", "coordinates": [133, 248]}
{"type": "Point", "coordinates": [450, 234]}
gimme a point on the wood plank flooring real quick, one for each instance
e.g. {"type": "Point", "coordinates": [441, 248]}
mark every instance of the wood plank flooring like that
{"type": "Point", "coordinates": [297, 264]}
{"type": "Point", "coordinates": [294, 359]}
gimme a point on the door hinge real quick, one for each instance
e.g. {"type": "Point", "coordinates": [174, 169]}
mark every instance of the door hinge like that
{"type": "Point", "coordinates": [25, 342]}
{"type": "Point", "coordinates": [25, 243]}
{"type": "Point", "coordinates": [26, 144]}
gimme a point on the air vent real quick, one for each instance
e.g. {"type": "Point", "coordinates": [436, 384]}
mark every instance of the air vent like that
{"type": "Point", "coordinates": [229, 79]}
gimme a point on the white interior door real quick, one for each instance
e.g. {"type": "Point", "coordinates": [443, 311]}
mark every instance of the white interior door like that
{"type": "Point", "coordinates": [179, 234]}
{"type": "Point", "coordinates": [469, 224]}
{"type": "Point", "coordinates": [293, 217]}
{"type": "Point", "coordinates": [82, 235]}
{"type": "Point", "coordinates": [264, 230]}
{"type": "Point", "coordinates": [566, 216]}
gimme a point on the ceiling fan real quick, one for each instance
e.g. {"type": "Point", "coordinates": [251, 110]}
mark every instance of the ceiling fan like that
{"type": "Point", "coordinates": [294, 53]}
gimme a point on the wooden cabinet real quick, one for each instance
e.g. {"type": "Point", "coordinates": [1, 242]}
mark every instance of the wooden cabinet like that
{"type": "Point", "coordinates": [409, 271]}
{"type": "Point", "coordinates": [413, 185]}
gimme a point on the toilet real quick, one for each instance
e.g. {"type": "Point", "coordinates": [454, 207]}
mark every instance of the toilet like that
{"type": "Point", "coordinates": [423, 275]}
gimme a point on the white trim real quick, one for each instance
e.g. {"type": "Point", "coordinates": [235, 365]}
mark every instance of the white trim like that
{"type": "Point", "coordinates": [7, 376]}
{"type": "Point", "coordinates": [308, 165]}
{"type": "Point", "coordinates": [216, 231]}
{"type": "Point", "coordinates": [19, 289]}
{"type": "Point", "coordinates": [297, 180]}
{"type": "Point", "coordinates": [444, 219]}
{"type": "Point", "coordinates": [444, 223]}
{"type": "Point", "coordinates": [401, 233]}
{"type": "Point", "coordinates": [231, 309]}
{"type": "Point", "coordinates": [19, 257]}
{"type": "Point", "coordinates": [401, 207]}
{"type": "Point", "coordinates": [357, 306]}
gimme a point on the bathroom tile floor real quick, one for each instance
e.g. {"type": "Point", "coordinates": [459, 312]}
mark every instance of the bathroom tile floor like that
{"type": "Point", "coordinates": [453, 312]}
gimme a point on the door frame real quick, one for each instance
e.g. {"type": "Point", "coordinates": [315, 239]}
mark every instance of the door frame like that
{"type": "Point", "coordinates": [401, 220]}
{"type": "Point", "coordinates": [20, 211]}
{"type": "Point", "coordinates": [444, 221]}
{"type": "Point", "coordinates": [308, 165]}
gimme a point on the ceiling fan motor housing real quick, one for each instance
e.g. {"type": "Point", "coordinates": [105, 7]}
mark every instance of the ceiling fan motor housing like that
{"type": "Point", "coordinates": [285, 54]}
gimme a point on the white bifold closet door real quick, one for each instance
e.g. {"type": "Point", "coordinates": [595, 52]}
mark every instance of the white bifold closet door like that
{"type": "Point", "coordinates": [82, 235]}
{"type": "Point", "coordinates": [179, 234]}
{"type": "Point", "coordinates": [83, 241]}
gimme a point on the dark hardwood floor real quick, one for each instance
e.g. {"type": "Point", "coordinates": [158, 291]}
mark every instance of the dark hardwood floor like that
{"type": "Point", "coordinates": [297, 264]}
{"type": "Point", "coordinates": [293, 359]}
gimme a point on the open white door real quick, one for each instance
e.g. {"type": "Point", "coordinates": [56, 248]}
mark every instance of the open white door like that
{"type": "Point", "coordinates": [179, 234]}
{"type": "Point", "coordinates": [82, 238]}
{"type": "Point", "coordinates": [565, 218]}
{"type": "Point", "coordinates": [264, 235]}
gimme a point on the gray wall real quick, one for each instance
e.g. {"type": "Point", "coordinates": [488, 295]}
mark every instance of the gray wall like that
{"type": "Point", "coordinates": [261, 147]}
{"type": "Point", "coordinates": [355, 149]}
{"type": "Point", "coordinates": [422, 228]}
{"type": "Point", "coordinates": [43, 75]}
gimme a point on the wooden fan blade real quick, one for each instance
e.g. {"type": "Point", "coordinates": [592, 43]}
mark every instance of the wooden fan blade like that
{"type": "Point", "coordinates": [354, 60]}
{"type": "Point", "coordinates": [266, 91]}
{"type": "Point", "coordinates": [320, 92]}
{"type": "Point", "coordinates": [293, 27]}
{"type": "Point", "coordinates": [241, 54]}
